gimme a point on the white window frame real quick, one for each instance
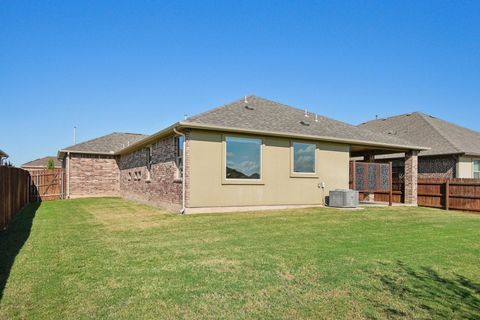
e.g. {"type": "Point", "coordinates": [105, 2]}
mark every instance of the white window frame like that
{"type": "Point", "coordinates": [473, 169]}
{"type": "Point", "coordinates": [295, 174]}
{"type": "Point", "coordinates": [149, 162]}
{"type": "Point", "coordinates": [179, 156]}
{"type": "Point", "coordinates": [226, 180]}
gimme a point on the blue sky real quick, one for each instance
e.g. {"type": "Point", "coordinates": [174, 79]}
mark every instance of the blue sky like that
{"type": "Point", "coordinates": [137, 66]}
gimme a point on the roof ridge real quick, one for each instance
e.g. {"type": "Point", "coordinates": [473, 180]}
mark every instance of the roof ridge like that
{"type": "Point", "coordinates": [213, 109]}
{"type": "Point", "coordinates": [132, 133]}
{"type": "Point", "coordinates": [102, 137]}
{"type": "Point", "coordinates": [392, 117]}
{"type": "Point", "coordinates": [424, 118]}
{"type": "Point", "coordinates": [295, 110]}
{"type": "Point", "coordinates": [94, 139]}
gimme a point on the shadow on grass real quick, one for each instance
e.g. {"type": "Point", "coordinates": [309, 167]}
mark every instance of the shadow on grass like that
{"type": "Point", "coordinates": [13, 239]}
{"type": "Point", "coordinates": [425, 292]}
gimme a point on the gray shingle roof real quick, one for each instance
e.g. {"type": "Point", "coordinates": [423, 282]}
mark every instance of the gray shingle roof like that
{"type": "Point", "coordinates": [265, 115]}
{"type": "Point", "coordinates": [441, 136]}
{"type": "Point", "coordinates": [106, 144]}
{"type": "Point", "coordinates": [42, 162]}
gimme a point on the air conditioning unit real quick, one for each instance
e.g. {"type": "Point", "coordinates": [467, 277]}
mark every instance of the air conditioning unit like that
{"type": "Point", "coordinates": [343, 198]}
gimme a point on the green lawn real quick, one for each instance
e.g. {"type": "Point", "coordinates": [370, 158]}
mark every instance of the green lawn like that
{"type": "Point", "coordinates": [115, 259]}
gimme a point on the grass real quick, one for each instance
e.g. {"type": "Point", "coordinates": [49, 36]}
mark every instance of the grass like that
{"type": "Point", "coordinates": [114, 259]}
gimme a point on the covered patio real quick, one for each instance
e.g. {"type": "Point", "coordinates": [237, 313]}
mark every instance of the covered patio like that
{"type": "Point", "coordinates": [378, 180]}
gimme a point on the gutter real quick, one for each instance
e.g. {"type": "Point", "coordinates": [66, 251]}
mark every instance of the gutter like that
{"type": "Point", "coordinates": [182, 211]}
{"type": "Point", "coordinates": [179, 125]}
{"type": "Point", "coordinates": [63, 151]}
{"type": "Point", "coordinates": [148, 139]}
{"type": "Point", "coordinates": [294, 135]}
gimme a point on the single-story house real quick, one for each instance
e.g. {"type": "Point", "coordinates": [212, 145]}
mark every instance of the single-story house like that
{"type": "Point", "coordinates": [251, 153]}
{"type": "Point", "coordinates": [3, 157]}
{"type": "Point", "coordinates": [454, 150]}
{"type": "Point", "coordinates": [91, 167]}
{"type": "Point", "coordinates": [41, 164]}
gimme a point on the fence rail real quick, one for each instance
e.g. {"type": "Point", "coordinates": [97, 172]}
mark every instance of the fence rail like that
{"type": "Point", "coordinates": [14, 193]}
{"type": "Point", "coordinates": [457, 194]}
{"type": "Point", "coordinates": [47, 184]}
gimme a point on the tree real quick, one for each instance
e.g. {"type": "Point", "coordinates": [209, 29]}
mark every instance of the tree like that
{"type": "Point", "coordinates": [50, 164]}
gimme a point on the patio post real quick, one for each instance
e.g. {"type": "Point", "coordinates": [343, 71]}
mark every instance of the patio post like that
{"type": "Point", "coordinates": [369, 196]}
{"type": "Point", "coordinates": [411, 177]}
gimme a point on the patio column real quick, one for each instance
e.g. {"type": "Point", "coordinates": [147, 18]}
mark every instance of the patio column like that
{"type": "Point", "coordinates": [369, 157]}
{"type": "Point", "coordinates": [411, 177]}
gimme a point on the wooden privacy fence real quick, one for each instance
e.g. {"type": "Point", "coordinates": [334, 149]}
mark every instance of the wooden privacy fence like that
{"type": "Point", "coordinates": [47, 184]}
{"type": "Point", "coordinates": [14, 193]}
{"type": "Point", "coordinates": [458, 194]}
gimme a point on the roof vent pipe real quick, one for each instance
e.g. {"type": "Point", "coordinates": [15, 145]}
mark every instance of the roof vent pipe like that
{"type": "Point", "coordinates": [316, 118]}
{"type": "Point", "coordinates": [245, 100]}
{"type": "Point", "coordinates": [306, 113]}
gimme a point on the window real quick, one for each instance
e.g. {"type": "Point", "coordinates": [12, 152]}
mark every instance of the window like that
{"type": "Point", "coordinates": [179, 156]}
{"type": "Point", "coordinates": [243, 158]}
{"type": "Point", "coordinates": [476, 169]}
{"type": "Point", "coordinates": [304, 157]}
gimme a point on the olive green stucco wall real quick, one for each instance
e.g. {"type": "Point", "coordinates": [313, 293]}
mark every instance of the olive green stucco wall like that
{"type": "Point", "coordinates": [208, 188]}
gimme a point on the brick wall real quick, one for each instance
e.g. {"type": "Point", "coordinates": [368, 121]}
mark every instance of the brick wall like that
{"type": "Point", "coordinates": [93, 175]}
{"type": "Point", "coordinates": [437, 167]}
{"type": "Point", "coordinates": [432, 167]}
{"type": "Point", "coordinates": [411, 177]}
{"type": "Point", "coordinates": [163, 187]}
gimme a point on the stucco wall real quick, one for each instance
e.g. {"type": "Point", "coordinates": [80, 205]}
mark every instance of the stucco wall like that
{"type": "Point", "coordinates": [278, 187]}
{"type": "Point", "coordinates": [163, 188]}
{"type": "Point", "coordinates": [465, 166]}
{"type": "Point", "coordinates": [93, 176]}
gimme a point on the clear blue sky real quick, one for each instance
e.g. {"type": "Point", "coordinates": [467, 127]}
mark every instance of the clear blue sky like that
{"type": "Point", "coordinates": [137, 66]}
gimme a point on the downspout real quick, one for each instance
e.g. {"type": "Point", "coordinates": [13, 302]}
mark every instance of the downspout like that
{"type": "Point", "coordinates": [182, 211]}
{"type": "Point", "coordinates": [68, 174]}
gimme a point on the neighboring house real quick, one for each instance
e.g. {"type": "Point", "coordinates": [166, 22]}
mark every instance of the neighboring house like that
{"type": "Point", "coordinates": [91, 167]}
{"type": "Point", "coordinates": [3, 157]}
{"type": "Point", "coordinates": [252, 153]}
{"type": "Point", "coordinates": [454, 150]}
{"type": "Point", "coordinates": [41, 164]}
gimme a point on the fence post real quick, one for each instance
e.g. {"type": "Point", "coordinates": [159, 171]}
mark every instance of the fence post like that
{"type": "Point", "coordinates": [447, 194]}
{"type": "Point", "coordinates": [390, 187]}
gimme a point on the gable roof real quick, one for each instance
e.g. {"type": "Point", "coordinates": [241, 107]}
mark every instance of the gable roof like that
{"type": "Point", "coordinates": [441, 136]}
{"type": "Point", "coordinates": [108, 144]}
{"type": "Point", "coordinates": [42, 163]}
{"type": "Point", "coordinates": [3, 154]}
{"type": "Point", "coordinates": [262, 115]}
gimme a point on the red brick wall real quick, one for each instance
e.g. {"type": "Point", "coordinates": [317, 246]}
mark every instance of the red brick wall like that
{"type": "Point", "coordinates": [163, 188]}
{"type": "Point", "coordinates": [93, 176]}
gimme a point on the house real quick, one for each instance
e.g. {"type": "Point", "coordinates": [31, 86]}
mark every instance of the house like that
{"type": "Point", "coordinates": [41, 164]}
{"type": "Point", "coordinates": [3, 157]}
{"type": "Point", "coordinates": [249, 154]}
{"type": "Point", "coordinates": [91, 167]}
{"type": "Point", "coordinates": [454, 150]}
